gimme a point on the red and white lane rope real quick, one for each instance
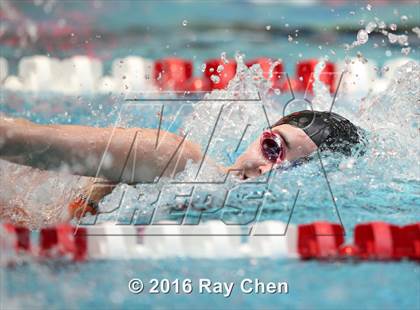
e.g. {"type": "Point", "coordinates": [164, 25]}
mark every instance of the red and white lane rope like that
{"type": "Point", "coordinates": [81, 74]}
{"type": "Point", "coordinates": [213, 239]}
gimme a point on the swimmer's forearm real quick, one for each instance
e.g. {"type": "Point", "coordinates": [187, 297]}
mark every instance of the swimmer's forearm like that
{"type": "Point", "coordinates": [130, 154]}
{"type": "Point", "coordinates": [46, 147]}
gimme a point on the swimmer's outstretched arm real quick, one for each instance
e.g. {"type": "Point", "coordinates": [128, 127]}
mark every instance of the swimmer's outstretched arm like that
{"type": "Point", "coordinates": [116, 154]}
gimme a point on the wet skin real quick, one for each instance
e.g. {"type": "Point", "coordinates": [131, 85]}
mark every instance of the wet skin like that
{"type": "Point", "coordinates": [80, 148]}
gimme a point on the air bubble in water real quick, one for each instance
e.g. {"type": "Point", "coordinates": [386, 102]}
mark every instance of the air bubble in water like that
{"type": "Point", "coordinates": [406, 50]}
{"type": "Point", "coordinates": [404, 18]}
{"type": "Point", "coordinates": [184, 22]}
{"type": "Point", "coordinates": [393, 27]}
{"type": "Point", "coordinates": [362, 36]}
{"type": "Point", "coordinates": [369, 7]}
{"type": "Point", "coordinates": [220, 68]}
{"type": "Point", "coordinates": [203, 67]}
{"type": "Point", "coordinates": [289, 38]}
{"type": "Point", "coordinates": [388, 53]}
{"type": "Point", "coordinates": [268, 27]}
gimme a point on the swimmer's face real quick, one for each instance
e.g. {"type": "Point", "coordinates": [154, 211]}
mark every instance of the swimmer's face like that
{"type": "Point", "coordinates": [253, 163]}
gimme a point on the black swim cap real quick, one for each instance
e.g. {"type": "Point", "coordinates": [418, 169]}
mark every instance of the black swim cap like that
{"type": "Point", "coordinates": [328, 130]}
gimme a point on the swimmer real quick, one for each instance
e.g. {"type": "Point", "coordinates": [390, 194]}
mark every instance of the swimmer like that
{"type": "Point", "coordinates": [156, 153]}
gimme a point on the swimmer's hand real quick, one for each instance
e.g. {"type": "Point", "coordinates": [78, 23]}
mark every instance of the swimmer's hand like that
{"type": "Point", "coordinates": [87, 200]}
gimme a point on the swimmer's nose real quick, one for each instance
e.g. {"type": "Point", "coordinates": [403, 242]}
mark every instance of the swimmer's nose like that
{"type": "Point", "coordinates": [251, 173]}
{"type": "Point", "coordinates": [251, 169]}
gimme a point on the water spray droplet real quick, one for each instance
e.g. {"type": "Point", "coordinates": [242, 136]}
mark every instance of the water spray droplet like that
{"type": "Point", "coordinates": [362, 36]}
{"type": "Point", "coordinates": [381, 25]}
{"type": "Point", "coordinates": [184, 22]}
{"type": "Point", "coordinates": [370, 27]}
{"type": "Point", "coordinates": [416, 30]}
{"type": "Point", "coordinates": [406, 50]}
{"type": "Point", "coordinates": [224, 57]}
{"type": "Point", "coordinates": [215, 79]}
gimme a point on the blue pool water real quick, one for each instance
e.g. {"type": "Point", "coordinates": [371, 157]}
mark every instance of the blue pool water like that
{"type": "Point", "coordinates": [380, 186]}
{"type": "Point", "coordinates": [312, 285]}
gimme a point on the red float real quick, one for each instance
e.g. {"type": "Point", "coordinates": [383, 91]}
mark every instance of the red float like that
{"type": "Point", "coordinates": [411, 241]}
{"type": "Point", "coordinates": [378, 240]}
{"type": "Point", "coordinates": [63, 240]}
{"type": "Point", "coordinates": [320, 240]}
{"type": "Point", "coordinates": [348, 251]}
{"type": "Point", "coordinates": [305, 77]}
{"type": "Point", "coordinates": [289, 85]}
{"type": "Point", "coordinates": [219, 73]}
{"type": "Point", "coordinates": [198, 84]}
{"type": "Point", "coordinates": [23, 237]}
{"type": "Point", "coordinates": [172, 73]}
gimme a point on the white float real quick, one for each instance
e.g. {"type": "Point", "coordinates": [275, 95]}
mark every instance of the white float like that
{"type": "Point", "coordinates": [106, 85]}
{"type": "Point", "coordinates": [272, 239]}
{"type": "Point", "coordinates": [212, 239]}
{"type": "Point", "coordinates": [80, 74]}
{"type": "Point", "coordinates": [39, 73]}
{"type": "Point", "coordinates": [3, 69]}
{"type": "Point", "coordinates": [359, 77]}
{"type": "Point", "coordinates": [113, 241]}
{"type": "Point", "coordinates": [163, 240]}
{"type": "Point", "coordinates": [132, 74]}
{"type": "Point", "coordinates": [13, 83]}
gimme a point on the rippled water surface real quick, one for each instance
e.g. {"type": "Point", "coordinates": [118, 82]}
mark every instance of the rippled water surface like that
{"type": "Point", "coordinates": [381, 185]}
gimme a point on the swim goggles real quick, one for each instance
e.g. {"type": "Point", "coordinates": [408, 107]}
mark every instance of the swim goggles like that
{"type": "Point", "coordinates": [272, 147]}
